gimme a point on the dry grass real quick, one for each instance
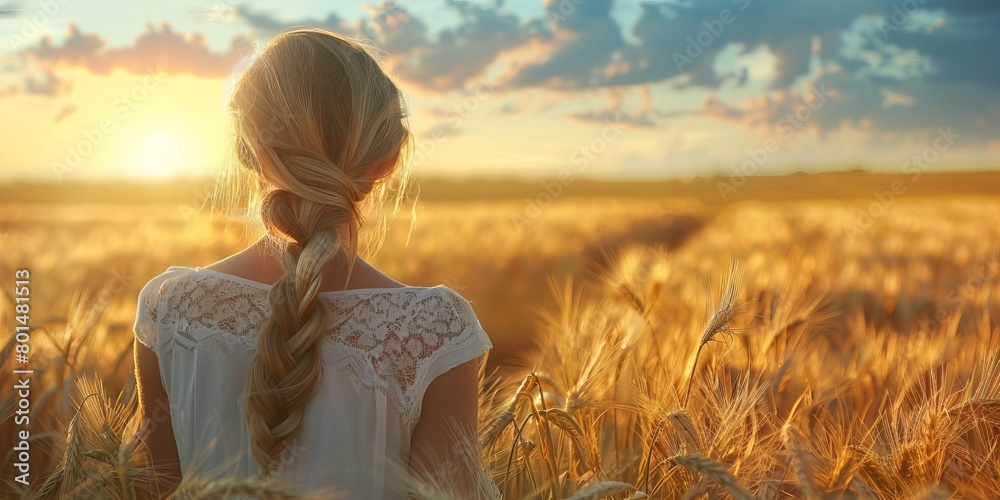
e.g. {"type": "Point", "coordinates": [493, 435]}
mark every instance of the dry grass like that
{"type": "Point", "coordinates": [766, 356]}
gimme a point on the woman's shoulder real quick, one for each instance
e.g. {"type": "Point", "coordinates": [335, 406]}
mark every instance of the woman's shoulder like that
{"type": "Point", "coordinates": [171, 272]}
{"type": "Point", "coordinates": [443, 333]}
{"type": "Point", "coordinates": [447, 308]}
{"type": "Point", "coordinates": [149, 305]}
{"type": "Point", "coordinates": [156, 287]}
{"type": "Point", "coordinates": [445, 322]}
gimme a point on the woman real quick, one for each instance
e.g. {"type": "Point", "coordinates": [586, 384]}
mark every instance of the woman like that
{"type": "Point", "coordinates": [294, 359]}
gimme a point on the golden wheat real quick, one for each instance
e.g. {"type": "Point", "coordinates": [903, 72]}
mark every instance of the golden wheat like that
{"type": "Point", "coordinates": [863, 367]}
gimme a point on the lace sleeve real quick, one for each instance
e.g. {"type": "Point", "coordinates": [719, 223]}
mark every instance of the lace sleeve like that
{"type": "Point", "coordinates": [462, 339]}
{"type": "Point", "coordinates": [147, 314]}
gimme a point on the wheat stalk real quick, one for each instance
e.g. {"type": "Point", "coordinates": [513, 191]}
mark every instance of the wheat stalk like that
{"type": "Point", "coordinates": [718, 322]}
{"type": "Point", "coordinates": [711, 469]}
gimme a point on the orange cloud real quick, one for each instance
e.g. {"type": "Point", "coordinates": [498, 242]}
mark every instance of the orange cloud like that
{"type": "Point", "coordinates": [159, 48]}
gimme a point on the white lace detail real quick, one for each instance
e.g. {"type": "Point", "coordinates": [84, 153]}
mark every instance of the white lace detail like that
{"type": "Point", "coordinates": [396, 340]}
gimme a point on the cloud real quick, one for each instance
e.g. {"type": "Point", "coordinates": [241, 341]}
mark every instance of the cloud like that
{"type": "Point", "coordinates": [584, 49]}
{"type": "Point", "coordinates": [642, 120]}
{"type": "Point", "coordinates": [66, 111]}
{"type": "Point", "coordinates": [157, 49]}
{"type": "Point", "coordinates": [961, 49]}
{"type": "Point", "coordinates": [899, 83]}
{"type": "Point", "coordinates": [642, 116]}
{"type": "Point", "coordinates": [78, 49]}
{"type": "Point", "coordinates": [460, 55]}
{"type": "Point", "coordinates": [50, 85]}
{"type": "Point", "coordinates": [393, 28]}
{"type": "Point", "coordinates": [10, 9]}
{"type": "Point", "coordinates": [841, 44]}
{"type": "Point", "coordinates": [776, 113]}
{"type": "Point", "coordinates": [266, 25]}
{"type": "Point", "coordinates": [684, 39]}
{"type": "Point", "coordinates": [896, 71]}
{"type": "Point", "coordinates": [865, 49]}
{"type": "Point", "coordinates": [892, 98]}
{"type": "Point", "coordinates": [453, 59]}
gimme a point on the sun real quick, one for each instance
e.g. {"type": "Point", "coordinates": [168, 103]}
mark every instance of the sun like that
{"type": "Point", "coordinates": [160, 155]}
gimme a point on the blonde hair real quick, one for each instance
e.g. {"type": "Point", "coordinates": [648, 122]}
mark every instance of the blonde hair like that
{"type": "Point", "coordinates": [320, 136]}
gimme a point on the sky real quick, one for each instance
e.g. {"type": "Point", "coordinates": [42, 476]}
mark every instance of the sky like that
{"type": "Point", "coordinates": [603, 89]}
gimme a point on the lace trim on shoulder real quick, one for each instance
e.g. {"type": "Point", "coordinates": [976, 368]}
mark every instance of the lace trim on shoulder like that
{"type": "Point", "coordinates": [396, 340]}
{"type": "Point", "coordinates": [147, 320]}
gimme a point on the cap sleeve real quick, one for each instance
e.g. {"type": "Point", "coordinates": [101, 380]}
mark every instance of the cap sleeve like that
{"type": "Point", "coordinates": [148, 316]}
{"type": "Point", "coordinates": [462, 339]}
{"type": "Point", "coordinates": [465, 338]}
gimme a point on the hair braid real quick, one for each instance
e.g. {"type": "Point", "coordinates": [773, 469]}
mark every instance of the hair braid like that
{"type": "Point", "coordinates": [320, 129]}
{"type": "Point", "coordinates": [285, 372]}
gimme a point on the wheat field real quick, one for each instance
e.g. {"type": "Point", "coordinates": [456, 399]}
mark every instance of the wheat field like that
{"type": "Point", "coordinates": [644, 348]}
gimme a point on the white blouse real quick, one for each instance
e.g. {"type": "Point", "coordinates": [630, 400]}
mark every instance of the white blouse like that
{"type": "Point", "coordinates": [385, 347]}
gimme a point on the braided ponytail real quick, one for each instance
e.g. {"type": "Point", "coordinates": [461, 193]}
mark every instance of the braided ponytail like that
{"type": "Point", "coordinates": [287, 367]}
{"type": "Point", "coordinates": [338, 146]}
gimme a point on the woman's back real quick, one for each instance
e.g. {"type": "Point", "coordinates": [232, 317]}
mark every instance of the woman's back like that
{"type": "Point", "coordinates": [383, 349]}
{"type": "Point", "coordinates": [283, 379]}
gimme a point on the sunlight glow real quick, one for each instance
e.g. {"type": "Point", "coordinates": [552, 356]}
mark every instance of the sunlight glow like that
{"type": "Point", "coordinates": [159, 155]}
